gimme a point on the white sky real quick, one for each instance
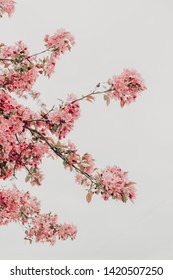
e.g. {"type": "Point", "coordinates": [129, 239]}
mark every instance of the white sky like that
{"type": "Point", "coordinates": [110, 35]}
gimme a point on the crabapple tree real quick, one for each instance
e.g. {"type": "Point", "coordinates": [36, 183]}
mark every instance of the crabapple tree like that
{"type": "Point", "coordinates": [27, 136]}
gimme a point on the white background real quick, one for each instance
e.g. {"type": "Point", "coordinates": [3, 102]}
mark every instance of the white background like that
{"type": "Point", "coordinates": [110, 35]}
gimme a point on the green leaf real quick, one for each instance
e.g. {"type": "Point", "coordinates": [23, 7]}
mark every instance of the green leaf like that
{"type": "Point", "coordinates": [31, 169]}
{"type": "Point", "coordinates": [27, 178]}
{"type": "Point", "coordinates": [54, 127]}
{"type": "Point", "coordinates": [124, 198]}
{"type": "Point", "coordinates": [30, 241]}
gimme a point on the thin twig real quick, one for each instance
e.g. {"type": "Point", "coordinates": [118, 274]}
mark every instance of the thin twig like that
{"type": "Point", "coordinates": [91, 94]}
{"type": "Point", "coordinates": [17, 138]}
{"type": "Point", "coordinates": [43, 116]}
{"type": "Point", "coordinates": [6, 59]}
{"type": "Point", "coordinates": [39, 53]}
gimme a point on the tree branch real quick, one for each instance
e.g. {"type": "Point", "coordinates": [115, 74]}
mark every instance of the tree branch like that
{"type": "Point", "coordinates": [38, 53]}
{"type": "Point", "coordinates": [59, 153]}
{"type": "Point", "coordinates": [91, 94]}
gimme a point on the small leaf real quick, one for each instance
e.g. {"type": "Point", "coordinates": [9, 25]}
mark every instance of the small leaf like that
{"type": "Point", "coordinates": [122, 103]}
{"type": "Point", "coordinates": [30, 241]}
{"type": "Point", "coordinates": [89, 197]}
{"type": "Point", "coordinates": [51, 140]}
{"type": "Point", "coordinates": [54, 127]}
{"type": "Point", "coordinates": [90, 98]}
{"type": "Point", "coordinates": [42, 113]}
{"type": "Point", "coordinates": [107, 99]}
{"type": "Point", "coordinates": [129, 184]}
{"type": "Point", "coordinates": [124, 198]}
{"type": "Point", "coordinates": [27, 178]}
{"type": "Point", "coordinates": [6, 65]}
{"type": "Point", "coordinates": [31, 169]}
{"type": "Point", "coordinates": [58, 144]}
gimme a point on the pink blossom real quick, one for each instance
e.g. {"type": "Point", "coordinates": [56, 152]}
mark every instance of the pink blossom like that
{"type": "Point", "coordinates": [79, 178]}
{"type": "Point", "coordinates": [6, 6]}
{"type": "Point", "coordinates": [43, 228]}
{"type": "Point", "coordinates": [62, 119]}
{"type": "Point", "coordinates": [49, 66]}
{"type": "Point", "coordinates": [88, 162]}
{"type": "Point", "coordinates": [9, 206]}
{"type": "Point", "coordinates": [65, 231]}
{"type": "Point", "coordinates": [114, 182]}
{"type": "Point", "coordinates": [16, 205]}
{"type": "Point", "coordinates": [21, 82]}
{"type": "Point", "coordinates": [72, 147]}
{"type": "Point", "coordinates": [18, 151]}
{"type": "Point", "coordinates": [16, 52]}
{"type": "Point", "coordinates": [126, 86]}
{"type": "Point", "coordinates": [59, 42]}
{"type": "Point", "coordinates": [22, 73]}
{"type": "Point", "coordinates": [19, 206]}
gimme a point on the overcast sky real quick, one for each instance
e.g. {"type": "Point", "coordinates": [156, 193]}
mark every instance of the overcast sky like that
{"type": "Point", "coordinates": [110, 35]}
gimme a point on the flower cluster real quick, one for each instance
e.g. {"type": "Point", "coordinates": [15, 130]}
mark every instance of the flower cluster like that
{"type": "Point", "coordinates": [25, 68]}
{"type": "Point", "coordinates": [20, 71]}
{"type": "Point", "coordinates": [56, 44]}
{"type": "Point", "coordinates": [59, 42]}
{"type": "Point", "coordinates": [85, 165]}
{"type": "Point", "coordinates": [7, 6]}
{"type": "Point", "coordinates": [17, 53]}
{"type": "Point", "coordinates": [17, 206]}
{"type": "Point", "coordinates": [63, 118]}
{"type": "Point", "coordinates": [126, 87]}
{"type": "Point", "coordinates": [16, 150]}
{"type": "Point", "coordinates": [65, 231]}
{"type": "Point", "coordinates": [115, 183]}
{"type": "Point", "coordinates": [47, 65]}
{"type": "Point", "coordinates": [45, 229]}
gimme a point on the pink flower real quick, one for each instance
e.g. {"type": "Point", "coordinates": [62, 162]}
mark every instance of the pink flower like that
{"type": "Point", "coordinates": [16, 52]}
{"type": "Point", "coordinates": [44, 228]}
{"type": "Point", "coordinates": [18, 151]}
{"type": "Point", "coordinates": [6, 6]}
{"type": "Point", "coordinates": [66, 231]}
{"type": "Point", "coordinates": [88, 163]}
{"type": "Point", "coordinates": [79, 179]}
{"type": "Point", "coordinates": [126, 86]}
{"type": "Point", "coordinates": [22, 81]}
{"type": "Point", "coordinates": [59, 42]}
{"type": "Point", "coordinates": [72, 147]}
{"type": "Point", "coordinates": [114, 182]}
{"type": "Point", "coordinates": [16, 205]}
{"type": "Point", "coordinates": [49, 66]}
{"type": "Point", "coordinates": [62, 119]}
